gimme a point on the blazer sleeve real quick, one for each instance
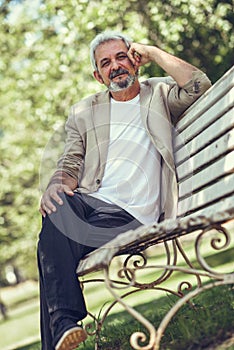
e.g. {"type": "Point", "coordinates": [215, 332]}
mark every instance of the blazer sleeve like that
{"type": "Point", "coordinates": [180, 98]}
{"type": "Point", "coordinates": [71, 162]}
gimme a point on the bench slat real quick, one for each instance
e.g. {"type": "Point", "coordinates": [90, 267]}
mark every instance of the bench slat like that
{"type": "Point", "coordinates": [205, 120]}
{"type": "Point", "coordinates": [215, 130]}
{"type": "Point", "coordinates": [216, 150]}
{"type": "Point", "coordinates": [210, 194]}
{"type": "Point", "coordinates": [221, 205]}
{"type": "Point", "coordinates": [220, 168]}
{"type": "Point", "coordinates": [219, 89]}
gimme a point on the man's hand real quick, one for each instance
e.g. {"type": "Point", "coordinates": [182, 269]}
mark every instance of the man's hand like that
{"type": "Point", "coordinates": [139, 54]}
{"type": "Point", "coordinates": [52, 194]}
{"type": "Point", "coordinates": [178, 69]}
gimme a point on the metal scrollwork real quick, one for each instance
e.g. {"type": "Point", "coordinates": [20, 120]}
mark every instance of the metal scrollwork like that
{"type": "Point", "coordinates": [122, 273]}
{"type": "Point", "coordinates": [139, 335]}
{"type": "Point", "coordinates": [91, 327]}
{"type": "Point", "coordinates": [216, 243]}
{"type": "Point", "coordinates": [185, 285]}
{"type": "Point", "coordinates": [138, 261]}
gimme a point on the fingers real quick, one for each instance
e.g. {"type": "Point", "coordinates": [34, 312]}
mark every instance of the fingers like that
{"type": "Point", "coordinates": [47, 206]}
{"type": "Point", "coordinates": [51, 196]}
{"type": "Point", "coordinates": [68, 191]}
{"type": "Point", "coordinates": [139, 54]}
{"type": "Point", "coordinates": [134, 56]}
{"type": "Point", "coordinates": [43, 213]}
{"type": "Point", "coordinates": [44, 209]}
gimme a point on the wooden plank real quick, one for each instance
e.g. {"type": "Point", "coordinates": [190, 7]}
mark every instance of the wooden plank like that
{"type": "Point", "coordinates": [209, 195]}
{"type": "Point", "coordinates": [222, 205]}
{"type": "Point", "coordinates": [218, 128]}
{"type": "Point", "coordinates": [207, 155]}
{"type": "Point", "coordinates": [209, 174]}
{"type": "Point", "coordinates": [219, 89]}
{"type": "Point", "coordinates": [206, 119]}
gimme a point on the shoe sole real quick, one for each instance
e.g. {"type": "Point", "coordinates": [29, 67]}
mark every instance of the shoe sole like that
{"type": "Point", "coordinates": [71, 339]}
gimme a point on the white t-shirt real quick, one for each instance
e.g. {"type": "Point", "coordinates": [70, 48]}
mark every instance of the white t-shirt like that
{"type": "Point", "coordinates": [132, 172]}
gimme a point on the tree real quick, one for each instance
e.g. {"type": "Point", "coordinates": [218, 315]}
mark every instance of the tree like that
{"type": "Point", "coordinates": [44, 69]}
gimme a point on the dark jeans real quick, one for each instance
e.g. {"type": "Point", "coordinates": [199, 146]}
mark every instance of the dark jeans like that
{"type": "Point", "coordinates": [79, 226]}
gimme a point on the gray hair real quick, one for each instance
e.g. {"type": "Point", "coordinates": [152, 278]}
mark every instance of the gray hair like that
{"type": "Point", "coordinates": [102, 38]}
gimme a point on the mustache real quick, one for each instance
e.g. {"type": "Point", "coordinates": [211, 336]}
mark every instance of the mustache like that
{"type": "Point", "coordinates": [118, 72]}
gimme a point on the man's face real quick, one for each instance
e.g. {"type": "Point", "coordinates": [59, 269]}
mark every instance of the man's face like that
{"type": "Point", "coordinates": [115, 69]}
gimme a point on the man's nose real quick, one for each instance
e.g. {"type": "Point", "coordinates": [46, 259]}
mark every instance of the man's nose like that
{"type": "Point", "coordinates": [114, 65]}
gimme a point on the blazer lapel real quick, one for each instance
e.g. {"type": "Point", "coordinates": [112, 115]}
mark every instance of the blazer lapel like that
{"type": "Point", "coordinates": [145, 98]}
{"type": "Point", "coordinates": [156, 123]}
{"type": "Point", "coordinates": [101, 121]}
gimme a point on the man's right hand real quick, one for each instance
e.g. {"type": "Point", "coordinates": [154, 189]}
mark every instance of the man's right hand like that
{"type": "Point", "coordinates": [52, 194]}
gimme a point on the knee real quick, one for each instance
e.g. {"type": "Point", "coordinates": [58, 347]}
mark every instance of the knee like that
{"type": "Point", "coordinates": [56, 223]}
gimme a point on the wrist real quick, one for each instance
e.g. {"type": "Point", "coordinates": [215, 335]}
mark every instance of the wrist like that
{"type": "Point", "coordinates": [152, 52]}
{"type": "Point", "coordinates": [62, 178]}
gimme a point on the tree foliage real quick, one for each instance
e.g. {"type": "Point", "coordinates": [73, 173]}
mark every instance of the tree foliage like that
{"type": "Point", "coordinates": [44, 69]}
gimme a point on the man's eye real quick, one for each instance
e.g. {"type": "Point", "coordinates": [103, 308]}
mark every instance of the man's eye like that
{"type": "Point", "coordinates": [105, 64]}
{"type": "Point", "coordinates": [122, 57]}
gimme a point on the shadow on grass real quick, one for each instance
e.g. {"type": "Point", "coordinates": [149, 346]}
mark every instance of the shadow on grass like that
{"type": "Point", "coordinates": [221, 258]}
{"type": "Point", "coordinates": [22, 301]}
{"type": "Point", "coordinates": [34, 346]}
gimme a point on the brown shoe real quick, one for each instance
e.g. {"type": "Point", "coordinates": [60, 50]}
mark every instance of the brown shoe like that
{"type": "Point", "coordinates": [71, 339]}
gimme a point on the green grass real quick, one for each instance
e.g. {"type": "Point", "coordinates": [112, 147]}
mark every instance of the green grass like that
{"type": "Point", "coordinates": [209, 322]}
{"type": "Point", "coordinates": [23, 315]}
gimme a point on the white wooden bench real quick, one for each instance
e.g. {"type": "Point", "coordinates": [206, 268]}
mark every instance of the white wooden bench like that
{"type": "Point", "coordinates": [204, 156]}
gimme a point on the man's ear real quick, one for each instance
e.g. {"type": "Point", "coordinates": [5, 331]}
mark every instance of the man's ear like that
{"type": "Point", "coordinates": [98, 77]}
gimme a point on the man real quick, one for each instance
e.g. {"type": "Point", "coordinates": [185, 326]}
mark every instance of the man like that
{"type": "Point", "coordinates": [116, 173]}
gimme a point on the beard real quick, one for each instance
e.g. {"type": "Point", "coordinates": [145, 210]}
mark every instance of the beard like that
{"type": "Point", "coordinates": [122, 84]}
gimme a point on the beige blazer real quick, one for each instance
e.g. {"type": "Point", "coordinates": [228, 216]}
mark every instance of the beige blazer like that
{"type": "Point", "coordinates": [88, 128]}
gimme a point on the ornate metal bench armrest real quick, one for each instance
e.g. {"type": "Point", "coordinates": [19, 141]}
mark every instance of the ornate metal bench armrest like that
{"type": "Point", "coordinates": [146, 236]}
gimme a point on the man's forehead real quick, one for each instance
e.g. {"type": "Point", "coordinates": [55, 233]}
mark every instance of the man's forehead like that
{"type": "Point", "coordinates": [110, 46]}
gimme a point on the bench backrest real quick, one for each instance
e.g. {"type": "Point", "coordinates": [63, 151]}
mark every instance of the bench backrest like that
{"type": "Point", "coordinates": [204, 151]}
